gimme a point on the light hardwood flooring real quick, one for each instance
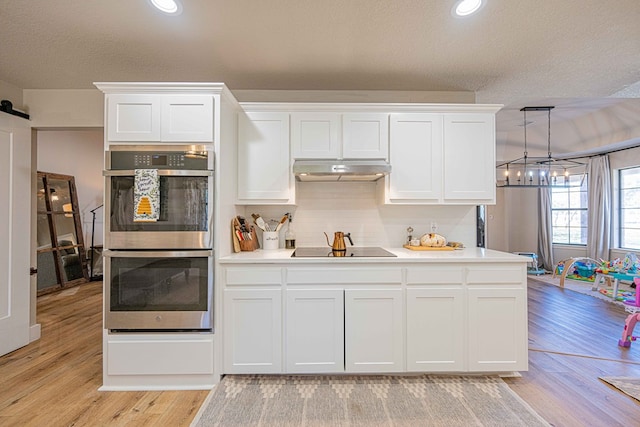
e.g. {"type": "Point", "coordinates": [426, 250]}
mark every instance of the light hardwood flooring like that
{"type": "Point", "coordinates": [54, 381]}
{"type": "Point", "coordinates": [573, 340]}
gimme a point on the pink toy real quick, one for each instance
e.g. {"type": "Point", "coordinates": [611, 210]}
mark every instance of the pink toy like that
{"type": "Point", "coordinates": [632, 319]}
{"type": "Point", "coordinates": [629, 324]}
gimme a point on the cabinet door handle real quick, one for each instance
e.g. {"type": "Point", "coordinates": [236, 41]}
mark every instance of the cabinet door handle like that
{"type": "Point", "coordinates": [33, 271]}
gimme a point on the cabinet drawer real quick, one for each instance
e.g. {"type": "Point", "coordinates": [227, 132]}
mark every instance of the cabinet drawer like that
{"type": "Point", "coordinates": [502, 273]}
{"type": "Point", "coordinates": [435, 275]}
{"type": "Point", "coordinates": [313, 276]}
{"type": "Point", "coordinates": [253, 276]}
{"type": "Point", "coordinates": [167, 356]}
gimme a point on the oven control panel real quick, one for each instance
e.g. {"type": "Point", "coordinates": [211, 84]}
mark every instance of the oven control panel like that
{"type": "Point", "coordinates": [174, 161]}
{"type": "Point", "coordinates": [127, 160]}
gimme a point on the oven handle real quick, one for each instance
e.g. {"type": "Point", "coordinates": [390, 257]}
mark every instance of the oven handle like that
{"type": "Point", "coordinates": [156, 254]}
{"type": "Point", "coordinates": [161, 172]}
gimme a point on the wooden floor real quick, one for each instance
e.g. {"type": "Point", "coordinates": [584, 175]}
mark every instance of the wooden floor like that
{"type": "Point", "coordinates": [573, 340]}
{"type": "Point", "coordinates": [54, 381]}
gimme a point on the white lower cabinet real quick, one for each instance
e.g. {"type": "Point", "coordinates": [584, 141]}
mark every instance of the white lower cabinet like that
{"type": "Point", "coordinates": [339, 330]}
{"type": "Point", "coordinates": [158, 361]}
{"type": "Point", "coordinates": [451, 317]}
{"type": "Point", "coordinates": [374, 330]}
{"type": "Point", "coordinates": [435, 329]}
{"type": "Point", "coordinates": [252, 331]}
{"type": "Point", "coordinates": [497, 329]}
{"type": "Point", "coordinates": [314, 330]}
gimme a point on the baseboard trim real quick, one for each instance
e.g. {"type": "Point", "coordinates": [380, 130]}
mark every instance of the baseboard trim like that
{"type": "Point", "coordinates": [34, 332]}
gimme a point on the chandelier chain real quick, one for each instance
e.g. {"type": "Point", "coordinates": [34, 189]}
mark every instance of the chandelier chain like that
{"type": "Point", "coordinates": [549, 134]}
{"type": "Point", "coordinates": [525, 133]}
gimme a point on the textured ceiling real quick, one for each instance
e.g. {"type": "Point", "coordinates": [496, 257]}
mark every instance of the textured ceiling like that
{"type": "Point", "coordinates": [513, 52]}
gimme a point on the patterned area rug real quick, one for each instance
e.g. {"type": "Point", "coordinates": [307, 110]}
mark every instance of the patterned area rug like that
{"type": "Point", "coordinates": [346, 400]}
{"type": "Point", "coordinates": [628, 385]}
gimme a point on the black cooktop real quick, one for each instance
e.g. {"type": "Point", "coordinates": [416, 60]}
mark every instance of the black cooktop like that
{"type": "Point", "coordinates": [355, 252]}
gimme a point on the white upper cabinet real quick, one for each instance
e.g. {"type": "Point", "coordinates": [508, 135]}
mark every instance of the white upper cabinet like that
{"type": "Point", "coordinates": [442, 158]}
{"type": "Point", "coordinates": [159, 118]}
{"type": "Point", "coordinates": [440, 154]}
{"type": "Point", "coordinates": [330, 135]}
{"type": "Point", "coordinates": [133, 118]}
{"type": "Point", "coordinates": [187, 118]}
{"type": "Point", "coordinates": [469, 158]}
{"type": "Point", "coordinates": [315, 135]}
{"type": "Point", "coordinates": [264, 169]}
{"type": "Point", "coordinates": [415, 153]}
{"type": "Point", "coordinates": [365, 135]}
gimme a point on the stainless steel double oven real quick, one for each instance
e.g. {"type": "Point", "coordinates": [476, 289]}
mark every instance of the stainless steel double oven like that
{"type": "Point", "coordinates": [159, 273]}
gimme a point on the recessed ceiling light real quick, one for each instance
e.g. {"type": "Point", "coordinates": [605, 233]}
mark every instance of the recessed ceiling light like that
{"type": "Point", "coordinates": [170, 7]}
{"type": "Point", "coordinates": [466, 7]}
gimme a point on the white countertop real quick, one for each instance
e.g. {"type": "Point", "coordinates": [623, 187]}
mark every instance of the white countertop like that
{"type": "Point", "coordinates": [277, 256]}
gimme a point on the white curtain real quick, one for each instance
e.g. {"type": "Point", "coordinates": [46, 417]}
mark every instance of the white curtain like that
{"type": "Point", "coordinates": [599, 222]}
{"type": "Point", "coordinates": [545, 230]}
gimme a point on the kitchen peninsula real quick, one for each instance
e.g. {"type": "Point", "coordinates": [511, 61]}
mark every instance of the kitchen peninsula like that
{"type": "Point", "coordinates": [454, 311]}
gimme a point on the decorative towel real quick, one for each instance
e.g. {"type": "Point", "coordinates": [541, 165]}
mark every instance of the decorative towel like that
{"type": "Point", "coordinates": [146, 195]}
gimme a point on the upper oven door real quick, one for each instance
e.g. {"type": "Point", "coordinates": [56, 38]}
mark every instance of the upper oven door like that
{"type": "Point", "coordinates": [185, 189]}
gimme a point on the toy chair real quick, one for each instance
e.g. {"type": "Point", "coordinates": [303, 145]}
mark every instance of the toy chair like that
{"type": "Point", "coordinates": [631, 320]}
{"type": "Point", "coordinates": [627, 332]}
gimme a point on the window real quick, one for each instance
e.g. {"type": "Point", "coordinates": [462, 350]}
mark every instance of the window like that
{"type": "Point", "coordinates": [629, 208]}
{"type": "Point", "coordinates": [569, 211]}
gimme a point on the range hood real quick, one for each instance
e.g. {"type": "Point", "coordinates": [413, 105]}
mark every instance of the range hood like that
{"type": "Point", "coordinates": [340, 170]}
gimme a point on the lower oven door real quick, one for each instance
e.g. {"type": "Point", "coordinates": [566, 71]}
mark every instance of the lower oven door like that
{"type": "Point", "coordinates": [158, 290]}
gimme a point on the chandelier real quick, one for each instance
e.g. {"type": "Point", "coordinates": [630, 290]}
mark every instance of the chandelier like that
{"type": "Point", "coordinates": [537, 172]}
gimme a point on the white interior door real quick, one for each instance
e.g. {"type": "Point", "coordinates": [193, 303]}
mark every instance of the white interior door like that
{"type": "Point", "coordinates": [15, 214]}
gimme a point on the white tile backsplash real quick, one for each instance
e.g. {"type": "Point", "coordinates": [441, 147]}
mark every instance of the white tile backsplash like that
{"type": "Point", "coordinates": [352, 207]}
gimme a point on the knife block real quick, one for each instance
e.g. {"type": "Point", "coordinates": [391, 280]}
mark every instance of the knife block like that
{"type": "Point", "coordinates": [250, 245]}
{"type": "Point", "coordinates": [244, 245]}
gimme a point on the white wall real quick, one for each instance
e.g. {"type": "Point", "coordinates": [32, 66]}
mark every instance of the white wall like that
{"type": "Point", "coordinates": [79, 153]}
{"type": "Point", "coordinates": [11, 93]}
{"type": "Point", "coordinates": [495, 222]}
{"type": "Point", "coordinates": [625, 158]}
{"type": "Point", "coordinates": [353, 207]}
{"type": "Point", "coordinates": [65, 108]}
{"type": "Point", "coordinates": [437, 97]}
{"type": "Point", "coordinates": [512, 223]}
